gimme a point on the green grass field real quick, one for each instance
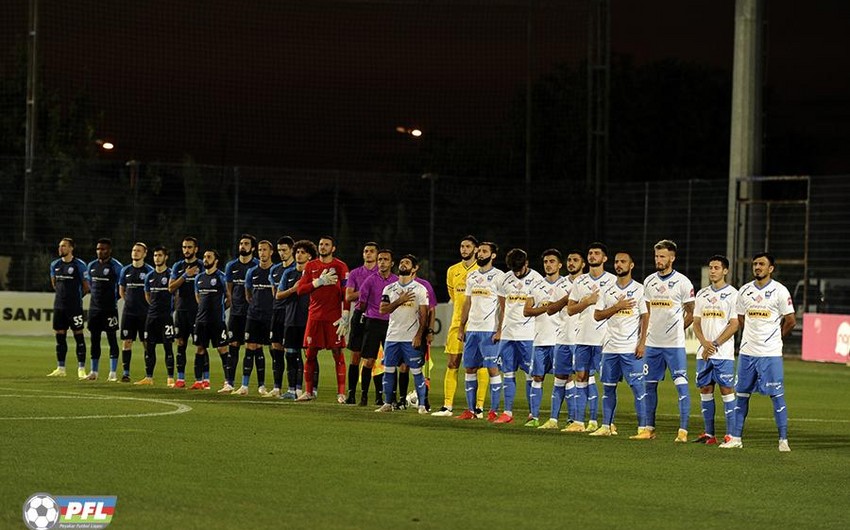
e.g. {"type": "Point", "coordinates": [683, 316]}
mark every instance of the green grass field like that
{"type": "Point", "coordinates": [177, 459]}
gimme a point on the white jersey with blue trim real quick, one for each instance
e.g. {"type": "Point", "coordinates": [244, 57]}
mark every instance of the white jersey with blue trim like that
{"type": "Point", "coordinates": [623, 329]}
{"type": "Point", "coordinates": [515, 291]}
{"type": "Point", "coordinates": [566, 333]}
{"type": "Point", "coordinates": [545, 326]}
{"type": "Point", "coordinates": [481, 291]}
{"type": "Point", "coordinates": [715, 308]}
{"type": "Point", "coordinates": [588, 331]}
{"type": "Point", "coordinates": [404, 321]}
{"type": "Point", "coordinates": [763, 310]}
{"type": "Point", "coordinates": [667, 297]}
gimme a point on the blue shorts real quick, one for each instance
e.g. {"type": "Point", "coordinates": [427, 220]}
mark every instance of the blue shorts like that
{"type": "Point", "coordinates": [479, 350]}
{"type": "Point", "coordinates": [618, 366]}
{"type": "Point", "coordinates": [541, 362]}
{"type": "Point", "coordinates": [515, 355]}
{"type": "Point", "coordinates": [563, 359]}
{"type": "Point", "coordinates": [659, 359]}
{"type": "Point", "coordinates": [396, 353]}
{"type": "Point", "coordinates": [587, 358]}
{"type": "Point", "coordinates": [719, 371]}
{"type": "Point", "coordinates": [764, 374]}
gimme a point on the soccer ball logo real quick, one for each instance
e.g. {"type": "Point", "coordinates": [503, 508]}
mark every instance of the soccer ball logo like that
{"type": "Point", "coordinates": [41, 512]}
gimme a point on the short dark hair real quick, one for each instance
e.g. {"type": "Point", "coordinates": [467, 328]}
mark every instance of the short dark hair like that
{"type": "Point", "coordinates": [160, 248]}
{"type": "Point", "coordinates": [215, 253]}
{"type": "Point", "coordinates": [307, 246]}
{"type": "Point", "coordinates": [721, 258]}
{"type": "Point", "coordinates": [329, 238]}
{"type": "Point", "coordinates": [553, 252]}
{"type": "Point", "coordinates": [103, 241]}
{"type": "Point", "coordinates": [577, 252]}
{"type": "Point", "coordinates": [494, 248]}
{"type": "Point", "coordinates": [386, 251]}
{"type": "Point", "coordinates": [413, 259]}
{"type": "Point", "coordinates": [68, 240]}
{"type": "Point", "coordinates": [471, 238]}
{"type": "Point", "coordinates": [286, 240]}
{"type": "Point", "coordinates": [192, 239]}
{"type": "Point", "coordinates": [251, 238]}
{"type": "Point", "coordinates": [371, 244]}
{"type": "Point", "coordinates": [666, 244]}
{"type": "Point", "coordinates": [516, 259]}
{"type": "Point", "coordinates": [770, 258]}
{"type": "Point", "coordinates": [598, 245]}
{"type": "Point", "coordinates": [627, 253]}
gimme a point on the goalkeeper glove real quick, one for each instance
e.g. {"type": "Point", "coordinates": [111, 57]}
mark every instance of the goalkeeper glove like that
{"type": "Point", "coordinates": [343, 324]}
{"type": "Point", "coordinates": [328, 277]}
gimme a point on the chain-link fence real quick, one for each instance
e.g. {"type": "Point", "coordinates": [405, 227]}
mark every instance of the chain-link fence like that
{"type": "Point", "coordinates": [422, 214]}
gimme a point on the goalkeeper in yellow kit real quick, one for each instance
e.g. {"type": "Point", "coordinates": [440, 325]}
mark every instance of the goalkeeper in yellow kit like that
{"type": "Point", "coordinates": [456, 284]}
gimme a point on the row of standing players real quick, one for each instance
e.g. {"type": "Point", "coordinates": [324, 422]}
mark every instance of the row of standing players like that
{"type": "Point", "coordinates": [575, 326]}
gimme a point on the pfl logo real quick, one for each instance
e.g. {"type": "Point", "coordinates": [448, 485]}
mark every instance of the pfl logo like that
{"type": "Point", "coordinates": [42, 511]}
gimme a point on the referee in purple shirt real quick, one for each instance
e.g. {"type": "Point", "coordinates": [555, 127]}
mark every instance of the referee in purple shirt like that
{"type": "Point", "coordinates": [375, 326]}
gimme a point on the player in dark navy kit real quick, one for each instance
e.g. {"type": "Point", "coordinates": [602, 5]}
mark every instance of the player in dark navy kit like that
{"type": "Point", "coordinates": [68, 277]}
{"type": "Point", "coordinates": [131, 287]}
{"type": "Point", "coordinates": [159, 327]}
{"type": "Point", "coordinates": [284, 250]}
{"type": "Point", "coordinates": [259, 291]}
{"type": "Point", "coordinates": [211, 295]}
{"type": "Point", "coordinates": [295, 311]}
{"type": "Point", "coordinates": [103, 276]}
{"type": "Point", "coordinates": [234, 274]}
{"type": "Point", "coordinates": [182, 284]}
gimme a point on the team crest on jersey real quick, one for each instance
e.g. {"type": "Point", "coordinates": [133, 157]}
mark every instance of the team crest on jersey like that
{"type": "Point", "coordinates": [70, 270]}
{"type": "Point", "coordinates": [163, 281]}
{"type": "Point", "coordinates": [603, 283]}
{"type": "Point", "coordinates": [768, 293]}
{"type": "Point", "coordinates": [213, 281]}
{"type": "Point", "coordinates": [143, 275]}
{"type": "Point", "coordinates": [631, 293]}
{"type": "Point", "coordinates": [723, 296]}
{"type": "Point", "coordinates": [672, 283]}
{"type": "Point", "coordinates": [105, 270]}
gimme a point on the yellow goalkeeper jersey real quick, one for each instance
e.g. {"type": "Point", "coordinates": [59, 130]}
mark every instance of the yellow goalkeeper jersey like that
{"type": "Point", "coordinates": [456, 284]}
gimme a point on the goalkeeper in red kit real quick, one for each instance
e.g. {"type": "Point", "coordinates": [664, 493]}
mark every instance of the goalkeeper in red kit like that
{"type": "Point", "coordinates": [328, 317]}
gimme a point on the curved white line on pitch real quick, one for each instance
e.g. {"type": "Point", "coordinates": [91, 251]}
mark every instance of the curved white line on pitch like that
{"type": "Point", "coordinates": [179, 408]}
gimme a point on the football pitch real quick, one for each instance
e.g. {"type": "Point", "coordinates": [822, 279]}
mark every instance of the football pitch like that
{"type": "Point", "coordinates": [180, 459]}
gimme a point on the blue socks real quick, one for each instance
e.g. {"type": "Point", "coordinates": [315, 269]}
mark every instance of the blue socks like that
{"type": "Point", "coordinates": [592, 399]}
{"type": "Point", "coordinates": [536, 398]}
{"type": "Point", "coordinates": [471, 388]}
{"type": "Point", "coordinates": [708, 408]}
{"type": "Point", "coordinates": [558, 393]}
{"type": "Point", "coordinates": [651, 403]}
{"type": "Point", "coordinates": [609, 404]}
{"type": "Point", "coordinates": [510, 391]}
{"type": "Point", "coordinates": [495, 391]}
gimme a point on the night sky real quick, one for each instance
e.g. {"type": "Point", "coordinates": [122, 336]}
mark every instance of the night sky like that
{"type": "Point", "coordinates": [324, 84]}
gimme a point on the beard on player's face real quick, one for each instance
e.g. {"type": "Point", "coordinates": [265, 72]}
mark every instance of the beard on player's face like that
{"type": "Point", "coordinates": [244, 253]}
{"type": "Point", "coordinates": [483, 262]}
{"type": "Point", "coordinates": [621, 273]}
{"type": "Point", "coordinates": [404, 271]}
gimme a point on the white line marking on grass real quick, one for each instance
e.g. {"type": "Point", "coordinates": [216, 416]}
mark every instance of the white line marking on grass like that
{"type": "Point", "coordinates": [179, 408]}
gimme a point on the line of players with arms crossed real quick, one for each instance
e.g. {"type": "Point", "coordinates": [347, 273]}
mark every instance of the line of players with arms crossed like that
{"type": "Point", "coordinates": [576, 326]}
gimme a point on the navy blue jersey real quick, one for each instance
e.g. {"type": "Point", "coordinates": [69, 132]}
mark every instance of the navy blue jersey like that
{"type": "Point", "coordinates": [103, 281]}
{"type": "Point", "coordinates": [258, 280]}
{"type": "Point", "coordinates": [184, 297]}
{"type": "Point", "coordinates": [162, 301]}
{"type": "Point", "coordinates": [295, 307]}
{"type": "Point", "coordinates": [212, 293]}
{"type": "Point", "coordinates": [133, 280]}
{"type": "Point", "coordinates": [276, 273]}
{"type": "Point", "coordinates": [234, 273]}
{"type": "Point", "coordinates": [68, 277]}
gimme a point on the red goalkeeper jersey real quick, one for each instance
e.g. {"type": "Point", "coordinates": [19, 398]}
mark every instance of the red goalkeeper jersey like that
{"type": "Point", "coordinates": [327, 301]}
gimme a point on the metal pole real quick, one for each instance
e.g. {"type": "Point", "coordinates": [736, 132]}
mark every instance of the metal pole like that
{"type": "Point", "coordinates": [335, 226]}
{"type": "Point", "coordinates": [431, 275]}
{"type": "Point", "coordinates": [688, 231]}
{"type": "Point", "coordinates": [30, 140]}
{"type": "Point", "coordinates": [745, 142]}
{"type": "Point", "coordinates": [528, 109]}
{"type": "Point", "coordinates": [645, 224]}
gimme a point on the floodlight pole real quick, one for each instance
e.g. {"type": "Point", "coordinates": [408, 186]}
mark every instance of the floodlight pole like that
{"type": "Point", "coordinates": [746, 127]}
{"type": "Point", "coordinates": [29, 156]}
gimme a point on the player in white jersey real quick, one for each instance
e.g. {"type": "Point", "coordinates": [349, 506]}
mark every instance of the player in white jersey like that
{"type": "Point", "coordinates": [670, 299]}
{"type": "Point", "coordinates": [715, 324]}
{"type": "Point", "coordinates": [589, 334]}
{"type": "Point", "coordinates": [516, 345]}
{"type": "Point", "coordinates": [545, 329]}
{"type": "Point", "coordinates": [766, 313]}
{"type": "Point", "coordinates": [622, 305]}
{"type": "Point", "coordinates": [406, 301]}
{"type": "Point", "coordinates": [565, 341]}
{"type": "Point", "coordinates": [480, 328]}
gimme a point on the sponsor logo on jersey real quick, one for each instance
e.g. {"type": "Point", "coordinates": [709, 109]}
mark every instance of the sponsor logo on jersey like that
{"type": "Point", "coordinates": [713, 313]}
{"type": "Point", "coordinates": [767, 294]}
{"type": "Point", "coordinates": [513, 298]}
{"type": "Point", "coordinates": [480, 291]}
{"type": "Point", "coordinates": [758, 313]}
{"type": "Point", "coordinates": [666, 304]}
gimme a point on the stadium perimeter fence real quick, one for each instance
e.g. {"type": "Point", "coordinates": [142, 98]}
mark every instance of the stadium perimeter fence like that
{"type": "Point", "coordinates": [409, 213]}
